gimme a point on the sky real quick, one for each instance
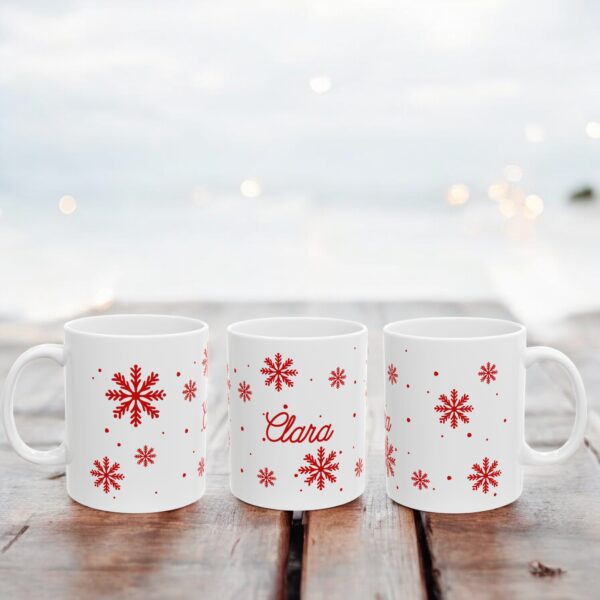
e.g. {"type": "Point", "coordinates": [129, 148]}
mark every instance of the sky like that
{"type": "Point", "coordinates": [149, 117]}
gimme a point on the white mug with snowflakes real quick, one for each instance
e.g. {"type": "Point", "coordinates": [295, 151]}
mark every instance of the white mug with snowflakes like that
{"type": "Point", "coordinates": [135, 410]}
{"type": "Point", "coordinates": [297, 406]}
{"type": "Point", "coordinates": [455, 412]}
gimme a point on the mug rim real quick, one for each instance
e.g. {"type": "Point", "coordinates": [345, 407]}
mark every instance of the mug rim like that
{"type": "Point", "coordinates": [513, 328]}
{"type": "Point", "coordinates": [193, 326]}
{"type": "Point", "coordinates": [360, 328]}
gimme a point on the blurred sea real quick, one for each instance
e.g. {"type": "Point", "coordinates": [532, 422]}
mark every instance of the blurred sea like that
{"type": "Point", "coordinates": [355, 119]}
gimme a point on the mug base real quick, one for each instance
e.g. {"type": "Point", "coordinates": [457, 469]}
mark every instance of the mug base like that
{"type": "Point", "coordinates": [125, 511]}
{"type": "Point", "coordinates": [296, 507]}
{"type": "Point", "coordinates": [457, 511]}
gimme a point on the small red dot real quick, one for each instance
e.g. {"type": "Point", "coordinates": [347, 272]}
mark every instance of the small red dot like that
{"type": "Point", "coordinates": [407, 452]}
{"type": "Point", "coordinates": [93, 377]}
{"type": "Point", "coordinates": [264, 439]}
{"type": "Point", "coordinates": [505, 420]}
{"type": "Point", "coordinates": [178, 373]}
{"type": "Point", "coordinates": [248, 366]}
{"type": "Point", "coordinates": [118, 444]}
{"type": "Point", "coordinates": [340, 452]}
{"type": "Point", "coordinates": [106, 430]}
{"type": "Point", "coordinates": [355, 347]}
{"type": "Point", "coordinates": [311, 379]}
{"type": "Point", "coordinates": [186, 430]}
{"type": "Point", "coordinates": [295, 474]}
{"type": "Point", "coordinates": [442, 435]}
{"type": "Point", "coordinates": [487, 439]}
{"type": "Point", "coordinates": [494, 494]}
{"type": "Point", "coordinates": [428, 391]}
{"type": "Point", "coordinates": [408, 385]}
{"type": "Point", "coordinates": [241, 470]}
{"type": "Point", "coordinates": [408, 419]}
{"type": "Point", "coordinates": [320, 416]}
{"type": "Point", "coordinates": [242, 428]}
{"type": "Point", "coordinates": [235, 370]}
{"type": "Point", "coordinates": [449, 477]}
{"type": "Point", "coordinates": [285, 407]}
{"type": "Point", "coordinates": [156, 492]}
{"type": "Point", "coordinates": [341, 489]}
{"type": "Point", "coordinates": [183, 475]}
{"type": "Point", "coordinates": [469, 434]}
{"type": "Point", "coordinates": [435, 373]}
{"type": "Point", "coordinates": [163, 432]}
{"type": "Point", "coordinates": [99, 370]}
{"type": "Point", "coordinates": [397, 487]}
{"type": "Point", "coordinates": [405, 349]}
{"type": "Point", "coordinates": [354, 415]}
{"type": "Point", "coordinates": [496, 393]}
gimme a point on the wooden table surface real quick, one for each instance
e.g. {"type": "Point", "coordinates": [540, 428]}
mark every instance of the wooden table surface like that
{"type": "Point", "coordinates": [51, 547]}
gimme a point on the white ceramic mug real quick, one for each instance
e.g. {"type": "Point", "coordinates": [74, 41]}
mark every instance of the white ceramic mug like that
{"type": "Point", "coordinates": [455, 410]}
{"type": "Point", "coordinates": [135, 410]}
{"type": "Point", "coordinates": [297, 410]}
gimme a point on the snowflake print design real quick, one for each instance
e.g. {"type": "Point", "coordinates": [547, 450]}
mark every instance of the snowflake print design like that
{"type": "Point", "coordinates": [106, 475]}
{"type": "Point", "coordinates": [279, 372]}
{"type": "Point", "coordinates": [392, 374]}
{"type": "Point", "coordinates": [419, 479]}
{"type": "Point", "coordinates": [485, 475]}
{"type": "Point", "coordinates": [320, 469]}
{"type": "Point", "coordinates": [454, 409]}
{"type": "Point", "coordinates": [266, 477]}
{"type": "Point", "coordinates": [337, 378]}
{"type": "Point", "coordinates": [145, 456]}
{"type": "Point", "coordinates": [205, 363]}
{"type": "Point", "coordinates": [487, 373]}
{"type": "Point", "coordinates": [189, 390]}
{"type": "Point", "coordinates": [136, 396]}
{"type": "Point", "coordinates": [390, 461]}
{"type": "Point", "coordinates": [201, 467]}
{"type": "Point", "coordinates": [358, 467]}
{"type": "Point", "coordinates": [244, 391]}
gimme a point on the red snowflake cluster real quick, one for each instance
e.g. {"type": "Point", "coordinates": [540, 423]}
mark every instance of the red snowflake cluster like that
{"type": "Point", "coordinates": [485, 475]}
{"type": "Point", "coordinates": [279, 371]}
{"type": "Point", "coordinates": [145, 456]}
{"type": "Point", "coordinates": [107, 475]}
{"type": "Point", "coordinates": [266, 477]}
{"type": "Point", "coordinates": [189, 390]}
{"type": "Point", "coordinates": [337, 378]}
{"type": "Point", "coordinates": [135, 396]}
{"type": "Point", "coordinates": [320, 469]}
{"type": "Point", "coordinates": [453, 409]}
{"type": "Point", "coordinates": [244, 391]}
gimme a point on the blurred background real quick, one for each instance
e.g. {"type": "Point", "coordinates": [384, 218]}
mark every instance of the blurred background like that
{"type": "Point", "coordinates": [319, 150]}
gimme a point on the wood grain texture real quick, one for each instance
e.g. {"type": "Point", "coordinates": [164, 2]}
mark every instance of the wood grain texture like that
{"type": "Point", "coordinates": [50, 547]}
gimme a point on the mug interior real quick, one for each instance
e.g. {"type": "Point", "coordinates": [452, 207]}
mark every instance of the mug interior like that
{"type": "Point", "coordinates": [453, 328]}
{"type": "Point", "coordinates": [296, 328]}
{"type": "Point", "coordinates": [134, 325]}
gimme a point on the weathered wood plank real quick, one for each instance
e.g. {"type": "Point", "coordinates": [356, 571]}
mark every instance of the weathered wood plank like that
{"type": "Point", "coordinates": [367, 548]}
{"type": "Point", "coordinates": [51, 547]}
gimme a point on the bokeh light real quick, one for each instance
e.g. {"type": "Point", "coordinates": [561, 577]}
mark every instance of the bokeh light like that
{"type": "Point", "coordinates": [513, 173]}
{"type": "Point", "coordinates": [250, 188]}
{"type": "Point", "coordinates": [534, 206]}
{"type": "Point", "coordinates": [458, 194]}
{"type": "Point", "coordinates": [67, 205]}
{"type": "Point", "coordinates": [592, 130]}
{"type": "Point", "coordinates": [320, 84]}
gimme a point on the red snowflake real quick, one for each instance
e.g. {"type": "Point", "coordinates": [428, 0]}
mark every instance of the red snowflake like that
{"type": "Point", "coordinates": [390, 461]}
{"type": "Point", "coordinates": [420, 479]}
{"type": "Point", "coordinates": [106, 475]}
{"type": "Point", "coordinates": [337, 378]}
{"type": "Point", "coordinates": [392, 373]}
{"type": "Point", "coordinates": [266, 477]}
{"type": "Point", "coordinates": [201, 467]}
{"type": "Point", "coordinates": [488, 372]}
{"type": "Point", "coordinates": [244, 391]}
{"type": "Point", "coordinates": [205, 362]}
{"type": "Point", "coordinates": [135, 396]}
{"type": "Point", "coordinates": [358, 467]}
{"type": "Point", "coordinates": [279, 371]}
{"type": "Point", "coordinates": [145, 456]}
{"type": "Point", "coordinates": [189, 390]}
{"type": "Point", "coordinates": [454, 408]}
{"type": "Point", "coordinates": [485, 475]}
{"type": "Point", "coordinates": [320, 469]}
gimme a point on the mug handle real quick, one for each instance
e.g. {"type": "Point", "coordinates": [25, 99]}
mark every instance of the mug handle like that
{"type": "Point", "coordinates": [535, 457]}
{"type": "Point", "coordinates": [56, 456]}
